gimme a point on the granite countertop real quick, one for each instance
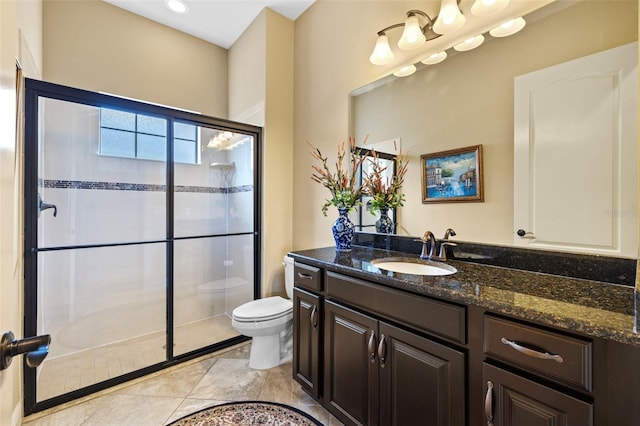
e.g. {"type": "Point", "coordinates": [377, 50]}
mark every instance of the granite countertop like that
{"type": "Point", "coordinates": [593, 308]}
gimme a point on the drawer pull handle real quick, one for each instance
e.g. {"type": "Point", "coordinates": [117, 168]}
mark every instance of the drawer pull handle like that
{"type": "Point", "coordinates": [305, 276]}
{"type": "Point", "coordinates": [382, 350]}
{"type": "Point", "coordinates": [372, 346]}
{"type": "Point", "coordinates": [314, 316]}
{"type": "Point", "coordinates": [488, 404]}
{"type": "Point", "coordinates": [531, 352]}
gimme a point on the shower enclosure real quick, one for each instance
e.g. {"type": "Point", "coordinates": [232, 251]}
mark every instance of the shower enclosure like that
{"type": "Point", "coordinates": [141, 236]}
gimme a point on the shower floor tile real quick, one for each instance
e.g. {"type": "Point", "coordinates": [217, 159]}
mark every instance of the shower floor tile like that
{"type": "Point", "coordinates": [63, 374]}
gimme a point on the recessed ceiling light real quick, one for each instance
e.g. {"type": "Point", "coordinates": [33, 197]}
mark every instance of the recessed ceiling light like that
{"type": "Point", "coordinates": [178, 6]}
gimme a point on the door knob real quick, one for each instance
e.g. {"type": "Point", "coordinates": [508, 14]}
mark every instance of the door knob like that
{"type": "Point", "coordinates": [524, 234]}
{"type": "Point", "coordinates": [36, 349]}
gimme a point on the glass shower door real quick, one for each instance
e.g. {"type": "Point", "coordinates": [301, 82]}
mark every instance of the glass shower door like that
{"type": "Point", "coordinates": [140, 237]}
{"type": "Point", "coordinates": [101, 245]}
{"type": "Point", "coordinates": [214, 233]}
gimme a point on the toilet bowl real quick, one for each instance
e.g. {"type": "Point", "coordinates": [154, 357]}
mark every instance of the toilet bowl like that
{"type": "Point", "coordinates": [223, 295]}
{"type": "Point", "coordinates": [220, 295]}
{"type": "Point", "coordinates": [269, 322]}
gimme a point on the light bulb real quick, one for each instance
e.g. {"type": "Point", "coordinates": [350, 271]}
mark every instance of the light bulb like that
{"type": "Point", "coordinates": [508, 28]}
{"type": "Point", "coordinates": [470, 43]}
{"type": "Point", "coordinates": [412, 36]}
{"type": "Point", "coordinates": [450, 18]}
{"type": "Point", "coordinates": [436, 58]}
{"type": "Point", "coordinates": [382, 53]}
{"type": "Point", "coordinates": [487, 7]}
{"type": "Point", "coordinates": [405, 71]}
{"type": "Point", "coordinates": [177, 6]}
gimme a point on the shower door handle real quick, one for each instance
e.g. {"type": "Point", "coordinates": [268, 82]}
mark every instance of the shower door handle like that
{"type": "Point", "coordinates": [44, 206]}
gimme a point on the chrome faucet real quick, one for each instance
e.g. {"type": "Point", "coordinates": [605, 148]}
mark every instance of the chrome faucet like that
{"type": "Point", "coordinates": [427, 238]}
{"type": "Point", "coordinates": [435, 245]}
{"type": "Point", "coordinates": [447, 233]}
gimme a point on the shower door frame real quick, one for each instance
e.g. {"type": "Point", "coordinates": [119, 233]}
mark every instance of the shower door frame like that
{"type": "Point", "coordinates": [34, 89]}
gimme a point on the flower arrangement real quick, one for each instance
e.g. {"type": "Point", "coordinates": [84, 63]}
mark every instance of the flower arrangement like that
{"type": "Point", "coordinates": [385, 191]}
{"type": "Point", "coordinates": [343, 184]}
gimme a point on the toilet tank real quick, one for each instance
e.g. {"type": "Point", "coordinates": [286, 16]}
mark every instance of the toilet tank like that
{"type": "Point", "coordinates": [288, 275]}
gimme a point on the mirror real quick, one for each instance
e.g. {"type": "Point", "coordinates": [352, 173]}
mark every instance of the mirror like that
{"type": "Point", "coordinates": [363, 216]}
{"type": "Point", "coordinates": [469, 100]}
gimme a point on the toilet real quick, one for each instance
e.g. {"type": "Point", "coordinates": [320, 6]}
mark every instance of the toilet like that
{"type": "Point", "coordinates": [269, 322]}
{"type": "Point", "coordinates": [222, 295]}
{"type": "Point", "coordinates": [219, 294]}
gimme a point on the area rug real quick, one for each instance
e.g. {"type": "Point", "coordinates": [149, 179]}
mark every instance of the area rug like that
{"type": "Point", "coordinates": [248, 413]}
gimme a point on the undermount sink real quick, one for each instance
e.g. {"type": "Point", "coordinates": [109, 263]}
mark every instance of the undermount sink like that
{"type": "Point", "coordinates": [414, 267]}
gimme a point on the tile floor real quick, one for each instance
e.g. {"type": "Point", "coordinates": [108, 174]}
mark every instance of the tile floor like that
{"type": "Point", "coordinates": [165, 396]}
{"type": "Point", "coordinates": [62, 374]}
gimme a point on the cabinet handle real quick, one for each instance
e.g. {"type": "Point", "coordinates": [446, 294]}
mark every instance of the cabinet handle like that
{"type": "Point", "coordinates": [531, 352]}
{"type": "Point", "coordinates": [304, 276]}
{"type": "Point", "coordinates": [382, 350]}
{"type": "Point", "coordinates": [372, 346]}
{"type": "Point", "coordinates": [314, 316]}
{"type": "Point", "coordinates": [488, 404]}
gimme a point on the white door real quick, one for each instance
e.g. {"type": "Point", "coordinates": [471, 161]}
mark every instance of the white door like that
{"type": "Point", "coordinates": [576, 155]}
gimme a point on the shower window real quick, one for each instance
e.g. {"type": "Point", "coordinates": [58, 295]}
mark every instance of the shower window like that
{"type": "Point", "coordinates": [131, 135]}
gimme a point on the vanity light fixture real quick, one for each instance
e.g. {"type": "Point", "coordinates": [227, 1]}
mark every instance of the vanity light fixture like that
{"type": "Point", "coordinates": [436, 58]}
{"type": "Point", "coordinates": [487, 7]}
{"type": "Point", "coordinates": [508, 28]}
{"type": "Point", "coordinates": [418, 28]}
{"type": "Point", "coordinates": [450, 18]}
{"type": "Point", "coordinates": [405, 71]}
{"type": "Point", "coordinates": [470, 43]}
{"type": "Point", "coordinates": [177, 6]}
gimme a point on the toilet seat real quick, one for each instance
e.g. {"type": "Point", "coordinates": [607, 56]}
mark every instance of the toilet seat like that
{"type": "Point", "coordinates": [266, 309]}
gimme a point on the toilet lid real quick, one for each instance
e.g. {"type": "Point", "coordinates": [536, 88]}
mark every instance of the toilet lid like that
{"type": "Point", "coordinates": [263, 309]}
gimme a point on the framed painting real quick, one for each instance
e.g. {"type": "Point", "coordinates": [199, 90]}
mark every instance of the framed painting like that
{"type": "Point", "coordinates": [452, 176]}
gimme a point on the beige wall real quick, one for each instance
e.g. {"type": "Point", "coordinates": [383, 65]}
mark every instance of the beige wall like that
{"type": "Point", "coordinates": [468, 100]}
{"type": "Point", "coordinates": [330, 64]}
{"type": "Point", "coordinates": [20, 36]}
{"type": "Point", "coordinates": [10, 282]}
{"type": "Point", "coordinates": [261, 93]}
{"type": "Point", "coordinates": [277, 198]}
{"type": "Point", "coordinates": [96, 46]}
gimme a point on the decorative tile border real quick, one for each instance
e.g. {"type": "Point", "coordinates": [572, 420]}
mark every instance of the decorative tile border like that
{"type": "Point", "coordinates": [123, 186]}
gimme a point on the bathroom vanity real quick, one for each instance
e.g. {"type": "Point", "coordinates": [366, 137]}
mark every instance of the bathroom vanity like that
{"type": "Point", "coordinates": [488, 345]}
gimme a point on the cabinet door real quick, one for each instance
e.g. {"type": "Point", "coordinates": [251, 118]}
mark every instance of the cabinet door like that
{"type": "Point", "coordinates": [350, 365]}
{"type": "Point", "coordinates": [421, 382]}
{"type": "Point", "coordinates": [307, 321]}
{"type": "Point", "coordinates": [511, 400]}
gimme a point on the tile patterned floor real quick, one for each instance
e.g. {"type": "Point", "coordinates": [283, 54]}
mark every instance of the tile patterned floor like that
{"type": "Point", "coordinates": [163, 397]}
{"type": "Point", "coordinates": [62, 374]}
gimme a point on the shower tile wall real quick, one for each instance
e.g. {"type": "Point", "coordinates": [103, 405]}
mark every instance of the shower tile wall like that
{"type": "Point", "coordinates": [92, 297]}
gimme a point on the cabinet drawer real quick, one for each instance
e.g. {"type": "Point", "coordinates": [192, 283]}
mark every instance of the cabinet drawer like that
{"type": "Point", "coordinates": [308, 277]}
{"type": "Point", "coordinates": [563, 358]}
{"type": "Point", "coordinates": [440, 318]}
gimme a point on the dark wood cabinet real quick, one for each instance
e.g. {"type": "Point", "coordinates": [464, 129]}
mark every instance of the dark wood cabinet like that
{"type": "Point", "coordinates": [512, 400]}
{"type": "Point", "coordinates": [376, 354]}
{"type": "Point", "coordinates": [421, 381]}
{"type": "Point", "coordinates": [350, 365]}
{"type": "Point", "coordinates": [307, 318]}
{"type": "Point", "coordinates": [376, 373]}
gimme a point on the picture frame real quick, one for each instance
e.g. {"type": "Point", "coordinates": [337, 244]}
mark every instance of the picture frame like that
{"type": "Point", "coordinates": [452, 176]}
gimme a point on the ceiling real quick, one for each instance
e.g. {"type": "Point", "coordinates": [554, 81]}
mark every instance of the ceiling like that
{"type": "Point", "coordinates": [220, 22]}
